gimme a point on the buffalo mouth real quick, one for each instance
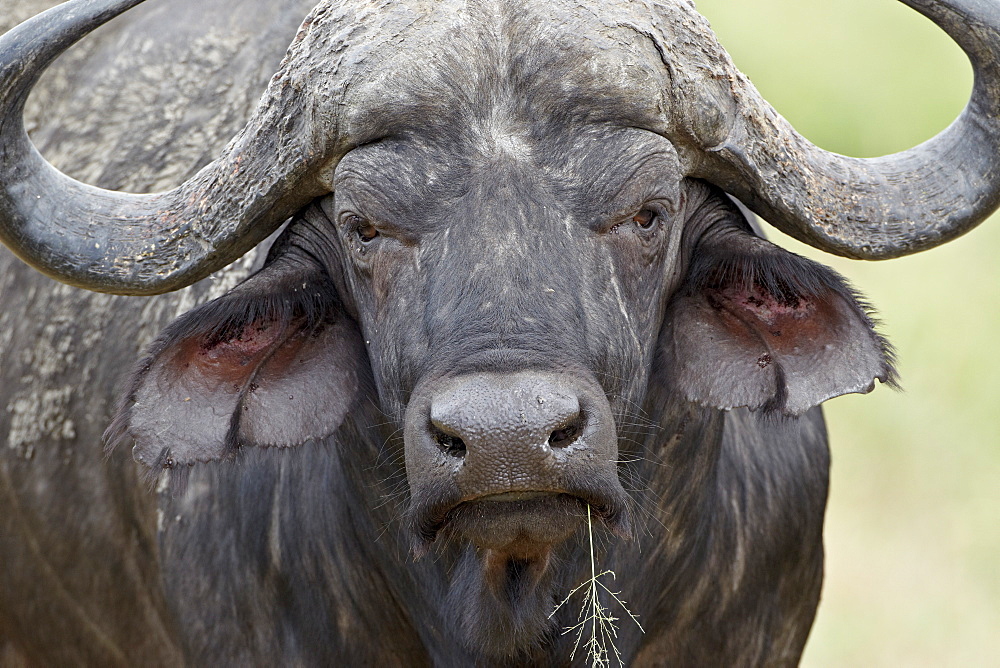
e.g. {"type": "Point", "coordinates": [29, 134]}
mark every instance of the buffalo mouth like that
{"type": "Point", "coordinates": [520, 525]}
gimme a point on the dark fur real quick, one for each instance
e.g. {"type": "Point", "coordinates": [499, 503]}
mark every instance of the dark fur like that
{"type": "Point", "coordinates": [728, 513]}
{"type": "Point", "coordinates": [527, 261]}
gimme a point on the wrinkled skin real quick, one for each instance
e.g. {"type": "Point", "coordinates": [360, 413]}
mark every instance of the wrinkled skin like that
{"type": "Point", "coordinates": [514, 223]}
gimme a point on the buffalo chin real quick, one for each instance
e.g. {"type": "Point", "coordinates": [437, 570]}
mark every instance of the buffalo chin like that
{"type": "Point", "coordinates": [502, 593]}
{"type": "Point", "coordinates": [511, 548]}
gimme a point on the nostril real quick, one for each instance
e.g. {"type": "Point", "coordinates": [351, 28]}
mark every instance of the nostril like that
{"type": "Point", "coordinates": [451, 445]}
{"type": "Point", "coordinates": [567, 434]}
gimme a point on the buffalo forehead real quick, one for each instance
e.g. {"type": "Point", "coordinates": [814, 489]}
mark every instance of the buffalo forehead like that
{"type": "Point", "coordinates": [485, 63]}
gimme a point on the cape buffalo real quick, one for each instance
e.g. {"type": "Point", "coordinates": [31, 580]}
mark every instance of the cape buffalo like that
{"type": "Point", "coordinates": [511, 293]}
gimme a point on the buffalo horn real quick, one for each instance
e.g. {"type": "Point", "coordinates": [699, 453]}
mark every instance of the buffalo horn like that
{"type": "Point", "coordinates": [142, 244]}
{"type": "Point", "coordinates": [860, 208]}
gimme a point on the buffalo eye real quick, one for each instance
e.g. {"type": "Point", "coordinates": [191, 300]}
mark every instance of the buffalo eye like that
{"type": "Point", "coordinates": [364, 230]}
{"type": "Point", "coordinates": [645, 219]}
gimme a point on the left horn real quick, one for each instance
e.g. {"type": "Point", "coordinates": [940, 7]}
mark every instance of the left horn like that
{"type": "Point", "coordinates": [870, 209]}
{"type": "Point", "coordinates": [143, 244]}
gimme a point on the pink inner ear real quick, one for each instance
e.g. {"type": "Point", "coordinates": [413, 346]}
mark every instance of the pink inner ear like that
{"type": "Point", "coordinates": [232, 360]}
{"type": "Point", "coordinates": [250, 342]}
{"type": "Point", "coordinates": [765, 307]}
{"type": "Point", "coordinates": [784, 324]}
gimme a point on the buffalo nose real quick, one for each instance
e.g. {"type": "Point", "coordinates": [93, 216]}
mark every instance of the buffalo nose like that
{"type": "Point", "coordinates": [509, 431]}
{"type": "Point", "coordinates": [494, 455]}
{"type": "Point", "coordinates": [527, 415]}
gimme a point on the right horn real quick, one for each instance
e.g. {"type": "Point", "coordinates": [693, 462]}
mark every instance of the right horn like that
{"type": "Point", "coordinates": [871, 209]}
{"type": "Point", "coordinates": [147, 244]}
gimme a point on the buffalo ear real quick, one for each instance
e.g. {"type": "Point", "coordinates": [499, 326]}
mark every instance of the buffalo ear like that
{"type": "Point", "coordinates": [273, 363]}
{"type": "Point", "coordinates": [756, 326]}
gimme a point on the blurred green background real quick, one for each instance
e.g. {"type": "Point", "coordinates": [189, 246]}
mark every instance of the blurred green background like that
{"type": "Point", "coordinates": [913, 527]}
